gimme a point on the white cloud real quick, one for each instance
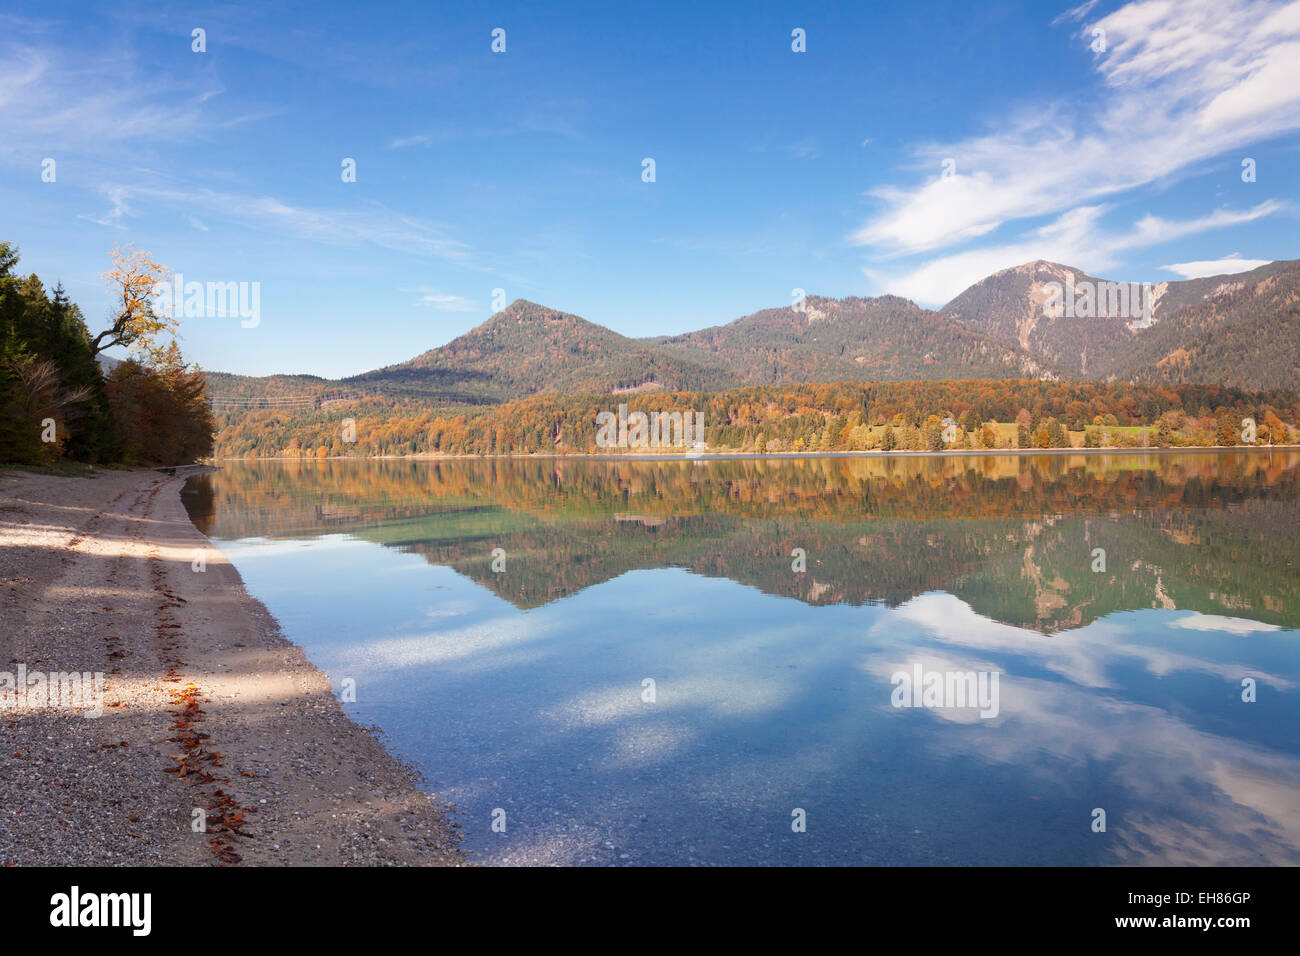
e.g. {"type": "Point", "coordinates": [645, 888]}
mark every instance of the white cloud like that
{"type": "Point", "coordinates": [436, 299]}
{"type": "Point", "coordinates": [1230, 265]}
{"type": "Point", "coordinates": [1075, 238]}
{"type": "Point", "coordinates": [1076, 13]}
{"type": "Point", "coordinates": [117, 196]}
{"type": "Point", "coordinates": [1184, 82]}
{"type": "Point", "coordinates": [423, 139]}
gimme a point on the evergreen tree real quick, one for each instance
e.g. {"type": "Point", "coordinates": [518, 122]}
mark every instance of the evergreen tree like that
{"type": "Point", "coordinates": [54, 401]}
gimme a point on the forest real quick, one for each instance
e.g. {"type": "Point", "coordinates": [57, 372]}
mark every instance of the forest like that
{"type": "Point", "coordinates": [56, 402]}
{"type": "Point", "coordinates": [842, 416]}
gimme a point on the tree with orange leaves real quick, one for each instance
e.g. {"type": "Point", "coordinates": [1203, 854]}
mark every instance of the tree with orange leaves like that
{"type": "Point", "coordinates": [137, 323]}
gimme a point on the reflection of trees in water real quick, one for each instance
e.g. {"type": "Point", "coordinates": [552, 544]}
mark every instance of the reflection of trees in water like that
{"type": "Point", "coordinates": [1013, 536]}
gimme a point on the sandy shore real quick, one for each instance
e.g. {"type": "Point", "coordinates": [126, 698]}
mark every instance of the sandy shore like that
{"type": "Point", "coordinates": [207, 705]}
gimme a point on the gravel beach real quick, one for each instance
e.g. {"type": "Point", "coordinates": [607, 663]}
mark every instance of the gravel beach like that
{"type": "Point", "coordinates": [208, 712]}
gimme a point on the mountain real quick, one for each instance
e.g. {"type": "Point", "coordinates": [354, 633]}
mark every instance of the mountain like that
{"type": "Point", "coordinates": [1243, 330]}
{"type": "Point", "coordinates": [1178, 295]}
{"type": "Point", "coordinates": [1027, 305]}
{"type": "Point", "coordinates": [1099, 328]}
{"type": "Point", "coordinates": [853, 339]}
{"type": "Point", "coordinates": [527, 348]}
{"type": "Point", "coordinates": [1040, 320]}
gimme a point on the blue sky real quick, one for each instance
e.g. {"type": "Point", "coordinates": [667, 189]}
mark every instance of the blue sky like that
{"type": "Point", "coordinates": [522, 170]}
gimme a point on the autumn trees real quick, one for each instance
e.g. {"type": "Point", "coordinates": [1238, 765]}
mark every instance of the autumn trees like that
{"type": "Point", "coordinates": [136, 323]}
{"type": "Point", "coordinates": [844, 416]}
{"type": "Point", "coordinates": [161, 409]}
{"type": "Point", "coordinates": [54, 400]}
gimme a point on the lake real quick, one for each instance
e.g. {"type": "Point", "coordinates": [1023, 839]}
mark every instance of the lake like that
{"type": "Point", "coordinates": [1067, 659]}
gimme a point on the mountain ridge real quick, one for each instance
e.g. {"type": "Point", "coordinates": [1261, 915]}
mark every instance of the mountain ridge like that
{"type": "Point", "coordinates": [1069, 317]}
{"type": "Point", "coordinates": [1033, 320]}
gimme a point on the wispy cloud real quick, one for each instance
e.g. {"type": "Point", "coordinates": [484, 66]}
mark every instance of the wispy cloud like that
{"type": "Point", "coordinates": [1076, 238]}
{"type": "Point", "coordinates": [243, 119]}
{"type": "Point", "coordinates": [1183, 82]}
{"type": "Point", "coordinates": [437, 299]}
{"type": "Point", "coordinates": [423, 139]}
{"type": "Point", "coordinates": [369, 223]}
{"type": "Point", "coordinates": [1075, 13]}
{"type": "Point", "coordinates": [53, 101]}
{"type": "Point", "coordinates": [113, 217]}
{"type": "Point", "coordinates": [102, 104]}
{"type": "Point", "coordinates": [1229, 265]}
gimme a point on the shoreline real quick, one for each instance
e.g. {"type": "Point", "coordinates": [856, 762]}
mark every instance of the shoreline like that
{"type": "Point", "coordinates": [779, 455]}
{"type": "Point", "coordinates": [209, 711]}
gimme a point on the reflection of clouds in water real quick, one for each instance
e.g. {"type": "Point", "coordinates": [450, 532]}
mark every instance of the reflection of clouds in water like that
{"type": "Point", "coordinates": [249, 549]}
{"type": "Point", "coordinates": [720, 696]}
{"type": "Point", "coordinates": [931, 663]}
{"type": "Point", "coordinates": [495, 643]}
{"type": "Point", "coordinates": [1221, 801]}
{"type": "Point", "coordinates": [1214, 622]}
{"type": "Point", "coordinates": [1080, 655]}
{"type": "Point", "coordinates": [1251, 817]}
{"type": "Point", "coordinates": [763, 700]}
{"type": "Point", "coordinates": [1234, 801]}
{"type": "Point", "coordinates": [450, 609]}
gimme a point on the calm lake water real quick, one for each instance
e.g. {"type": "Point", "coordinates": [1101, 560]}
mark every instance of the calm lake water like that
{"type": "Point", "coordinates": [1117, 610]}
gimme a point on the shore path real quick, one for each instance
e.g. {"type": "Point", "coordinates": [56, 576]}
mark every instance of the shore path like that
{"type": "Point", "coordinates": [208, 707]}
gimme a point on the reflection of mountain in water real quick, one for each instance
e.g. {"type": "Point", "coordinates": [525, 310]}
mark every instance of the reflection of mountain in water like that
{"type": "Point", "coordinates": [1013, 537]}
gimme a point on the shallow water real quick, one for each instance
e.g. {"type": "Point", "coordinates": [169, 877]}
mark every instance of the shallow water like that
{"type": "Point", "coordinates": [522, 692]}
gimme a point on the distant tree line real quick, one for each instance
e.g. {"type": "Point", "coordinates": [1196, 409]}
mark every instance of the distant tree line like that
{"type": "Point", "coordinates": [843, 416]}
{"type": "Point", "coordinates": [56, 402]}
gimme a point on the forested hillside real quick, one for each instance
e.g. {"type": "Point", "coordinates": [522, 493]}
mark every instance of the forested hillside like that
{"type": "Point", "coordinates": [527, 348]}
{"type": "Point", "coordinates": [1237, 329]}
{"type": "Point", "coordinates": [818, 417]}
{"type": "Point", "coordinates": [859, 340]}
{"type": "Point", "coordinates": [1245, 333]}
{"type": "Point", "coordinates": [1014, 305]}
